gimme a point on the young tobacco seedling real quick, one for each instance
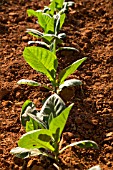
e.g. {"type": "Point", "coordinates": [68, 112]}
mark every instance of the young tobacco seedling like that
{"type": "Point", "coordinates": [46, 62]}
{"type": "Point", "coordinates": [44, 130]}
{"type": "Point", "coordinates": [51, 20]}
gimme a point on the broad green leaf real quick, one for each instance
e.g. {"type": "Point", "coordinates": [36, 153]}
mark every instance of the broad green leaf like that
{"type": "Point", "coordinates": [58, 123]}
{"type": "Point", "coordinates": [31, 12]}
{"type": "Point", "coordinates": [32, 124]}
{"type": "Point", "coordinates": [82, 144]}
{"type": "Point", "coordinates": [97, 167]}
{"type": "Point", "coordinates": [30, 117]}
{"type": "Point", "coordinates": [59, 4]}
{"type": "Point", "coordinates": [46, 22]}
{"type": "Point", "coordinates": [52, 7]}
{"type": "Point", "coordinates": [69, 83]}
{"type": "Point", "coordinates": [28, 82]}
{"type": "Point", "coordinates": [25, 153]}
{"type": "Point", "coordinates": [36, 139]}
{"type": "Point", "coordinates": [69, 70]}
{"type": "Point", "coordinates": [52, 107]}
{"type": "Point", "coordinates": [62, 19]}
{"type": "Point", "coordinates": [41, 60]}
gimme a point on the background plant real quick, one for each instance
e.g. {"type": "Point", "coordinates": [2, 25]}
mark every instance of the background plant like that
{"type": "Point", "coordinates": [50, 19]}
{"type": "Point", "coordinates": [44, 130]}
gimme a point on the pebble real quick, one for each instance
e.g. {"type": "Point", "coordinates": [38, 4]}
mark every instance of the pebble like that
{"type": "Point", "coordinates": [13, 14]}
{"type": "Point", "coordinates": [109, 134]}
{"type": "Point", "coordinates": [100, 95]}
{"type": "Point", "coordinates": [94, 121]}
{"type": "Point", "coordinates": [25, 38]}
{"type": "Point", "coordinates": [5, 103]}
{"type": "Point", "coordinates": [18, 94]}
{"type": "Point", "coordinates": [105, 110]}
{"type": "Point", "coordinates": [105, 76]}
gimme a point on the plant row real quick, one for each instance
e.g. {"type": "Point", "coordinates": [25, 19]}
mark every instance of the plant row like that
{"type": "Point", "coordinates": [44, 129]}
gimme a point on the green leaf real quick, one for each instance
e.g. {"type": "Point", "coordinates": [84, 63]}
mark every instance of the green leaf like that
{"type": "Point", "coordinates": [46, 22]}
{"type": "Point", "coordinates": [24, 117]}
{"type": "Point", "coordinates": [69, 83]}
{"type": "Point", "coordinates": [28, 82]}
{"type": "Point", "coordinates": [25, 153]}
{"type": "Point", "coordinates": [41, 60]}
{"type": "Point", "coordinates": [97, 167]}
{"type": "Point", "coordinates": [30, 117]}
{"type": "Point", "coordinates": [82, 144]}
{"type": "Point", "coordinates": [52, 107]}
{"type": "Point", "coordinates": [36, 139]}
{"type": "Point", "coordinates": [58, 123]}
{"type": "Point", "coordinates": [52, 7]}
{"type": "Point", "coordinates": [59, 4]}
{"type": "Point", "coordinates": [62, 19]}
{"type": "Point", "coordinates": [31, 12]}
{"type": "Point", "coordinates": [32, 125]}
{"type": "Point", "coordinates": [69, 70]}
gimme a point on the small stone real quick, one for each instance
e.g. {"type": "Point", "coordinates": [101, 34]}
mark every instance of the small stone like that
{"type": "Point", "coordinates": [94, 121]}
{"type": "Point", "coordinates": [108, 155]}
{"type": "Point", "coordinates": [109, 164]}
{"type": "Point", "coordinates": [111, 103]}
{"type": "Point", "coordinates": [100, 96]}
{"type": "Point", "coordinates": [18, 94]}
{"type": "Point", "coordinates": [13, 14]}
{"type": "Point", "coordinates": [105, 76]}
{"type": "Point", "coordinates": [110, 110]}
{"type": "Point", "coordinates": [87, 33]}
{"type": "Point", "coordinates": [5, 103]}
{"type": "Point", "coordinates": [105, 110]}
{"type": "Point", "coordinates": [109, 149]}
{"type": "Point", "coordinates": [25, 38]}
{"type": "Point", "coordinates": [67, 135]}
{"type": "Point", "coordinates": [109, 134]}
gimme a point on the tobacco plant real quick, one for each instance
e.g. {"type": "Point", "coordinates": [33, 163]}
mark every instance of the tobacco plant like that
{"type": "Point", "coordinates": [46, 62]}
{"type": "Point", "coordinates": [44, 130]}
{"type": "Point", "coordinates": [50, 19]}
